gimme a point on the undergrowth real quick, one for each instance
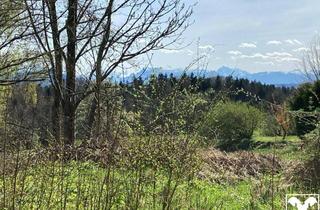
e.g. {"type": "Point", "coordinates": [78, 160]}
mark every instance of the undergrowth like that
{"type": "Point", "coordinates": [86, 185]}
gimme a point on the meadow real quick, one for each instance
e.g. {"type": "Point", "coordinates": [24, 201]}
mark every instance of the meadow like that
{"type": "Point", "coordinates": [87, 184]}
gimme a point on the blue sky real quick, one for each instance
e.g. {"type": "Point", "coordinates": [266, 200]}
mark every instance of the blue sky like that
{"type": "Point", "coordinates": [255, 35]}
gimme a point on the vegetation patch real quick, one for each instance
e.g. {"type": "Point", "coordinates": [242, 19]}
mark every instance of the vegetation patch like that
{"type": "Point", "coordinates": [224, 167]}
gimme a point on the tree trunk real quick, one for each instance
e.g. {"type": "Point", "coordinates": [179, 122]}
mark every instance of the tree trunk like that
{"type": "Point", "coordinates": [57, 72]}
{"type": "Point", "coordinates": [56, 126]}
{"type": "Point", "coordinates": [69, 99]}
{"type": "Point", "coordinates": [284, 133]}
{"type": "Point", "coordinates": [91, 118]}
{"type": "Point", "coordinates": [96, 103]}
{"type": "Point", "coordinates": [69, 124]}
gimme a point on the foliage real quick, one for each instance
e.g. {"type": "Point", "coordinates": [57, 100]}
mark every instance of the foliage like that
{"type": "Point", "coordinates": [231, 125]}
{"type": "Point", "coordinates": [20, 114]}
{"type": "Point", "coordinates": [147, 173]}
{"type": "Point", "coordinates": [283, 121]}
{"type": "Point", "coordinates": [311, 176]}
{"type": "Point", "coordinates": [165, 105]}
{"type": "Point", "coordinates": [108, 120]}
{"type": "Point", "coordinates": [306, 103]}
{"type": "Point", "coordinates": [269, 125]}
{"type": "Point", "coordinates": [142, 173]}
{"type": "Point", "coordinates": [238, 89]}
{"type": "Point", "coordinates": [82, 185]}
{"type": "Point", "coordinates": [161, 105]}
{"type": "Point", "coordinates": [305, 100]}
{"type": "Point", "coordinates": [5, 93]}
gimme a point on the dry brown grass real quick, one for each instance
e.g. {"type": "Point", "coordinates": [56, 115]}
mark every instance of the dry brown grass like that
{"type": "Point", "coordinates": [220, 166]}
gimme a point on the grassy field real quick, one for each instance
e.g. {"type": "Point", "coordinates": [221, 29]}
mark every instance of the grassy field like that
{"type": "Point", "coordinates": [84, 186]}
{"type": "Point", "coordinates": [289, 149]}
{"type": "Point", "coordinates": [292, 139]}
{"type": "Point", "coordinates": [87, 185]}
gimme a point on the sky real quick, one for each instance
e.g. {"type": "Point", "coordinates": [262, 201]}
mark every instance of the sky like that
{"type": "Point", "coordinates": [254, 35]}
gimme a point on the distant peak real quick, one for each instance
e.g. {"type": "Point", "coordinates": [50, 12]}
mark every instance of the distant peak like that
{"type": "Point", "coordinates": [267, 77]}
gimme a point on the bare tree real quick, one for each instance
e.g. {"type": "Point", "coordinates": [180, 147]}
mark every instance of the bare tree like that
{"type": "Point", "coordinates": [91, 39]}
{"type": "Point", "coordinates": [10, 22]}
{"type": "Point", "coordinates": [311, 60]}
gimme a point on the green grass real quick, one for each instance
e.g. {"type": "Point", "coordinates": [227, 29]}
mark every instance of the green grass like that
{"type": "Point", "coordinates": [82, 188]}
{"type": "Point", "coordinates": [293, 139]}
{"type": "Point", "coordinates": [243, 195]}
{"type": "Point", "coordinates": [86, 185]}
{"type": "Point", "coordinates": [258, 137]}
{"type": "Point", "coordinates": [289, 152]}
{"type": "Point", "coordinates": [288, 149]}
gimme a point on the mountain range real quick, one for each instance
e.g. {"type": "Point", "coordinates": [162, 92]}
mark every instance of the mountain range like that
{"type": "Point", "coordinates": [278, 78]}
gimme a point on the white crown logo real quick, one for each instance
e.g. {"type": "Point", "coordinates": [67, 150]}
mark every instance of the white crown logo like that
{"type": "Point", "coordinates": [294, 201]}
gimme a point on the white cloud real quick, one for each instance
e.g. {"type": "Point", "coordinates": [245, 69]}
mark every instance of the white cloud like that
{"type": "Point", "coordinates": [175, 51]}
{"type": "Point", "coordinates": [247, 45]}
{"type": "Point", "coordinates": [297, 41]}
{"type": "Point", "coordinates": [279, 54]}
{"type": "Point", "coordinates": [289, 59]}
{"type": "Point", "coordinates": [206, 47]}
{"type": "Point", "coordinates": [235, 52]}
{"type": "Point", "coordinates": [289, 41]}
{"type": "Point", "coordinates": [268, 58]}
{"type": "Point", "coordinates": [274, 42]}
{"type": "Point", "coordinates": [282, 57]}
{"type": "Point", "coordinates": [256, 55]}
{"type": "Point", "coordinates": [293, 42]}
{"type": "Point", "coordinates": [301, 49]}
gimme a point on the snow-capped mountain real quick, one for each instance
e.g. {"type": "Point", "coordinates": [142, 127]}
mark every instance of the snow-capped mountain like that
{"type": "Point", "coordinates": [278, 78]}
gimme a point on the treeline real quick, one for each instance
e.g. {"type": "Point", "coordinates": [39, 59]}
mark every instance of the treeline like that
{"type": "Point", "coordinates": [163, 102]}
{"type": "Point", "coordinates": [237, 89]}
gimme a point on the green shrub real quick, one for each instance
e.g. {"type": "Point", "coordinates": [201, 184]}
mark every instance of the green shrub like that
{"type": "Point", "coordinates": [305, 101]}
{"type": "Point", "coordinates": [310, 174]}
{"type": "Point", "coordinates": [230, 125]}
{"type": "Point", "coordinates": [269, 126]}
